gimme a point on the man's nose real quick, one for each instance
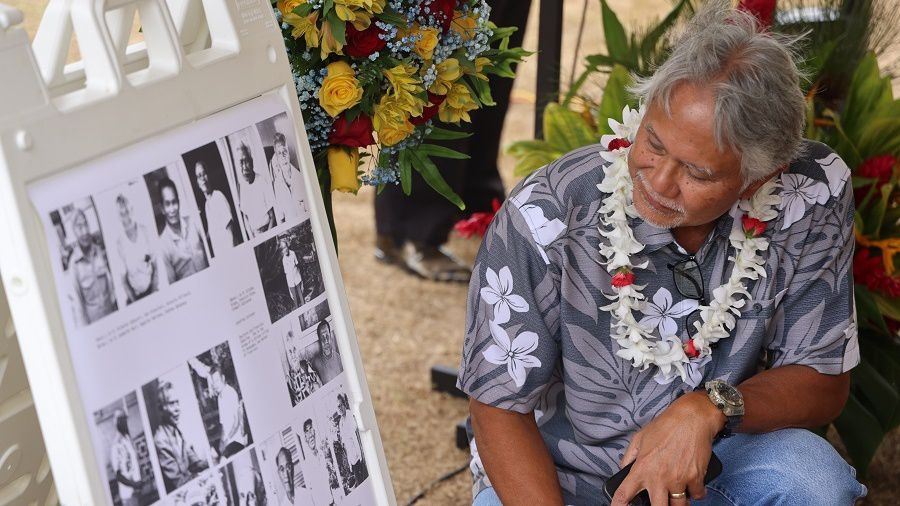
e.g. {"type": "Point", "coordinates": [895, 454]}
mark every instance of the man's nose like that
{"type": "Point", "coordinates": [663, 178]}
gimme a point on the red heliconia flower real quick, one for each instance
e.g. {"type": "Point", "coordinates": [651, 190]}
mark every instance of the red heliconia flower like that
{"type": "Point", "coordinates": [477, 223]}
{"type": "Point", "coordinates": [762, 10]}
{"type": "Point", "coordinates": [618, 143]}
{"type": "Point", "coordinates": [868, 270]}
{"type": "Point", "coordinates": [752, 226]}
{"type": "Point", "coordinates": [690, 349]}
{"type": "Point", "coordinates": [621, 279]}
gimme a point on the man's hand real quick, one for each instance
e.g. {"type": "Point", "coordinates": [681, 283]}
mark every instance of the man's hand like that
{"type": "Point", "coordinates": [672, 452]}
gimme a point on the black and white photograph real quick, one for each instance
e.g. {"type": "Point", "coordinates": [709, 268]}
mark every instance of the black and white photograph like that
{"type": "Point", "coordinates": [206, 490]}
{"type": "Point", "coordinates": [243, 481]}
{"type": "Point", "coordinates": [277, 135]}
{"type": "Point", "coordinates": [282, 455]}
{"type": "Point", "coordinates": [314, 314]}
{"type": "Point", "coordinates": [301, 378]}
{"type": "Point", "coordinates": [345, 441]}
{"type": "Point", "coordinates": [322, 352]}
{"type": "Point", "coordinates": [212, 192]}
{"type": "Point", "coordinates": [129, 471]}
{"type": "Point", "coordinates": [174, 416]}
{"type": "Point", "coordinates": [289, 270]}
{"type": "Point", "coordinates": [256, 198]}
{"type": "Point", "coordinates": [319, 465]}
{"type": "Point", "coordinates": [126, 215]}
{"type": "Point", "coordinates": [221, 403]}
{"type": "Point", "coordinates": [181, 242]}
{"type": "Point", "coordinates": [88, 285]}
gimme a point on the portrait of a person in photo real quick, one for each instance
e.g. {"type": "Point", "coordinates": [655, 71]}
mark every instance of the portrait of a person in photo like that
{"type": "Point", "coordinates": [137, 253]}
{"type": "Point", "coordinates": [287, 183]}
{"type": "Point", "coordinates": [181, 243]}
{"type": "Point", "coordinates": [92, 281]}
{"type": "Point", "coordinates": [292, 275]}
{"type": "Point", "coordinates": [178, 460]}
{"type": "Point", "coordinates": [681, 290]}
{"type": "Point", "coordinates": [257, 196]}
{"type": "Point", "coordinates": [222, 229]}
{"type": "Point", "coordinates": [327, 359]}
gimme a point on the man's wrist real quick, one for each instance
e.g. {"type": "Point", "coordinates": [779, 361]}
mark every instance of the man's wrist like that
{"type": "Point", "coordinates": [712, 417]}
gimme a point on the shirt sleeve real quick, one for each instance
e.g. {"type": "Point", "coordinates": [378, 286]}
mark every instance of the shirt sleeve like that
{"type": "Point", "coordinates": [815, 321]}
{"type": "Point", "coordinates": [511, 346]}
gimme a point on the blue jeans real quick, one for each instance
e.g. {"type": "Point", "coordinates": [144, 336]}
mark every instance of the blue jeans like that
{"type": "Point", "coordinates": [785, 467]}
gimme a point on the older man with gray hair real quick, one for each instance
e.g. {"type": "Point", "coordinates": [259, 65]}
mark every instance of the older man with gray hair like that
{"type": "Point", "coordinates": [707, 245]}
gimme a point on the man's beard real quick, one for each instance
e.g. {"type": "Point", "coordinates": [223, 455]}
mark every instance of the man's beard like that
{"type": "Point", "coordinates": [645, 189]}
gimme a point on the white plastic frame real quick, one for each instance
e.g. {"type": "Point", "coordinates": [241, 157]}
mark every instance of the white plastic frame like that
{"type": "Point", "coordinates": [55, 116]}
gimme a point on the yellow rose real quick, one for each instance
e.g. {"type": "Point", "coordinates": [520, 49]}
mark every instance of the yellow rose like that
{"type": "Point", "coordinates": [287, 6]}
{"type": "Point", "coordinates": [390, 135]}
{"type": "Point", "coordinates": [457, 105]}
{"type": "Point", "coordinates": [426, 42]}
{"type": "Point", "coordinates": [304, 27]}
{"type": "Point", "coordinates": [343, 164]}
{"type": "Point", "coordinates": [447, 72]}
{"type": "Point", "coordinates": [340, 89]}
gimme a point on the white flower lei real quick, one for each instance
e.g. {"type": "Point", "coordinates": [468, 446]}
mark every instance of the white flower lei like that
{"type": "Point", "coordinates": [637, 343]}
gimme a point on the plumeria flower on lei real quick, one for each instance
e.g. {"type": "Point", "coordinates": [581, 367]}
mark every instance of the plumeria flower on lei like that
{"type": "Point", "coordinates": [515, 353]}
{"type": "Point", "coordinates": [499, 294]}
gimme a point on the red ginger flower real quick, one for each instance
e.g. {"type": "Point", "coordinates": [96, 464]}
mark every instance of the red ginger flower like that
{"type": "Point", "coordinates": [868, 270]}
{"type": "Point", "coordinates": [752, 226]}
{"type": "Point", "coordinates": [617, 143]}
{"type": "Point", "coordinates": [621, 279]}
{"type": "Point", "coordinates": [690, 349]}
{"type": "Point", "coordinates": [878, 167]}
{"type": "Point", "coordinates": [478, 223]}
{"type": "Point", "coordinates": [762, 10]}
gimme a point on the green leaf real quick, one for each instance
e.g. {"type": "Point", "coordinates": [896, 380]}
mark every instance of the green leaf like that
{"type": "Point", "coordinates": [338, 27]}
{"type": "Point", "coordinates": [878, 137]}
{"type": "Point", "coordinates": [648, 45]}
{"type": "Point", "coordinates": [303, 10]}
{"type": "Point", "coordinates": [616, 40]}
{"type": "Point", "coordinates": [861, 433]}
{"type": "Point", "coordinates": [432, 176]}
{"type": "Point", "coordinates": [867, 309]}
{"type": "Point", "coordinates": [405, 172]}
{"type": "Point", "coordinates": [482, 90]}
{"type": "Point", "coordinates": [390, 16]}
{"type": "Point", "coordinates": [443, 134]}
{"type": "Point", "coordinates": [441, 152]}
{"type": "Point", "coordinates": [327, 6]}
{"type": "Point", "coordinates": [889, 307]}
{"type": "Point", "coordinates": [876, 393]}
{"type": "Point", "coordinates": [594, 62]}
{"type": "Point", "coordinates": [531, 155]}
{"type": "Point", "coordinates": [876, 214]}
{"type": "Point", "coordinates": [868, 93]}
{"type": "Point", "coordinates": [615, 97]}
{"type": "Point", "coordinates": [566, 130]}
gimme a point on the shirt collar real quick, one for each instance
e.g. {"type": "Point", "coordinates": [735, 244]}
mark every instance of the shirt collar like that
{"type": "Point", "coordinates": [654, 238]}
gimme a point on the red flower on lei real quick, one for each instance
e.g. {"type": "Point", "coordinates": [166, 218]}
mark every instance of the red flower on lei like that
{"type": "Point", "coordinates": [623, 279]}
{"type": "Point", "coordinates": [752, 226]}
{"type": "Point", "coordinates": [618, 143]}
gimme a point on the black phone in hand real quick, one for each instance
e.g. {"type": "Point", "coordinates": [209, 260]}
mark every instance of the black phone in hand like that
{"type": "Point", "coordinates": [643, 498]}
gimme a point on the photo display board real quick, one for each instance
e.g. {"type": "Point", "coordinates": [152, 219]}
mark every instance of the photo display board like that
{"type": "Point", "coordinates": [195, 310]}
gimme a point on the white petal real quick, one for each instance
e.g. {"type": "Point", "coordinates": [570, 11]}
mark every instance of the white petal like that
{"type": "Point", "coordinates": [683, 308]}
{"type": "Point", "coordinates": [517, 303]}
{"type": "Point", "coordinates": [501, 312]}
{"type": "Point", "coordinates": [517, 371]}
{"type": "Point", "coordinates": [526, 342]}
{"type": "Point", "coordinates": [489, 294]}
{"type": "Point", "coordinates": [663, 299]}
{"type": "Point", "coordinates": [667, 327]}
{"type": "Point", "coordinates": [528, 361]}
{"type": "Point", "coordinates": [495, 355]}
{"type": "Point", "coordinates": [796, 208]}
{"type": "Point", "coordinates": [493, 280]}
{"type": "Point", "coordinates": [506, 281]}
{"type": "Point", "coordinates": [500, 336]}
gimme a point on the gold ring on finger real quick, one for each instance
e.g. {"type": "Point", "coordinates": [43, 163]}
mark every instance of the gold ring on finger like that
{"type": "Point", "coordinates": [678, 495]}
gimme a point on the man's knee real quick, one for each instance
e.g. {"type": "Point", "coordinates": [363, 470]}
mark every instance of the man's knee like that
{"type": "Point", "coordinates": [792, 466]}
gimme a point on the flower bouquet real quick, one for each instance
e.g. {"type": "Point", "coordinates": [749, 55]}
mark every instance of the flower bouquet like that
{"type": "Point", "coordinates": [375, 76]}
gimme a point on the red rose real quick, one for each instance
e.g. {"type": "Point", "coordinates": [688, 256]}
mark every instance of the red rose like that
{"type": "Point", "coordinates": [361, 44]}
{"type": "Point", "coordinates": [690, 350]}
{"type": "Point", "coordinates": [355, 134]}
{"type": "Point", "coordinates": [618, 143]}
{"type": "Point", "coordinates": [752, 226]}
{"type": "Point", "coordinates": [428, 112]}
{"type": "Point", "coordinates": [623, 279]}
{"type": "Point", "coordinates": [443, 10]}
{"type": "Point", "coordinates": [762, 10]}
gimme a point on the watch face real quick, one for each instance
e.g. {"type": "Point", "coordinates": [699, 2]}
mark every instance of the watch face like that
{"type": "Point", "coordinates": [730, 394]}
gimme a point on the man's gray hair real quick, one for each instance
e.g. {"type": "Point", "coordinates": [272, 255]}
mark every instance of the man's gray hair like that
{"type": "Point", "coordinates": [760, 111]}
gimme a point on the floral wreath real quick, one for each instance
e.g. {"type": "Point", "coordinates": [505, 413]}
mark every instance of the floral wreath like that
{"type": "Point", "coordinates": [637, 343]}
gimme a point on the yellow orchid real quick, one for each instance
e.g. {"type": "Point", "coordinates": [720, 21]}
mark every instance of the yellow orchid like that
{"type": "Point", "coordinates": [357, 12]}
{"type": "Point", "coordinates": [329, 43]}
{"type": "Point", "coordinates": [304, 26]}
{"type": "Point", "coordinates": [448, 72]}
{"type": "Point", "coordinates": [464, 26]}
{"type": "Point", "coordinates": [391, 121]}
{"type": "Point", "coordinates": [480, 63]}
{"type": "Point", "coordinates": [406, 86]}
{"type": "Point", "coordinates": [457, 105]}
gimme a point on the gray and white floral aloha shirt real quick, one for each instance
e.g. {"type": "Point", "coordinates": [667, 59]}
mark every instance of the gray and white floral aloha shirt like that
{"type": "Point", "coordinates": [537, 341]}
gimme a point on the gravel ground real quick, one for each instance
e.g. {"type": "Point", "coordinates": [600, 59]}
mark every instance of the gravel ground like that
{"type": "Point", "coordinates": [406, 325]}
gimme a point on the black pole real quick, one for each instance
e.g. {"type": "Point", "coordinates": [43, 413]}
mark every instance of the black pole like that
{"type": "Point", "coordinates": [550, 25]}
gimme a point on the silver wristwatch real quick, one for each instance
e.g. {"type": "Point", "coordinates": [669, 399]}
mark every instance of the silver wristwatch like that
{"type": "Point", "coordinates": [729, 401]}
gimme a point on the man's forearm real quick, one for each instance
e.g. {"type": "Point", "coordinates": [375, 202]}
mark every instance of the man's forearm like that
{"type": "Point", "coordinates": [514, 456]}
